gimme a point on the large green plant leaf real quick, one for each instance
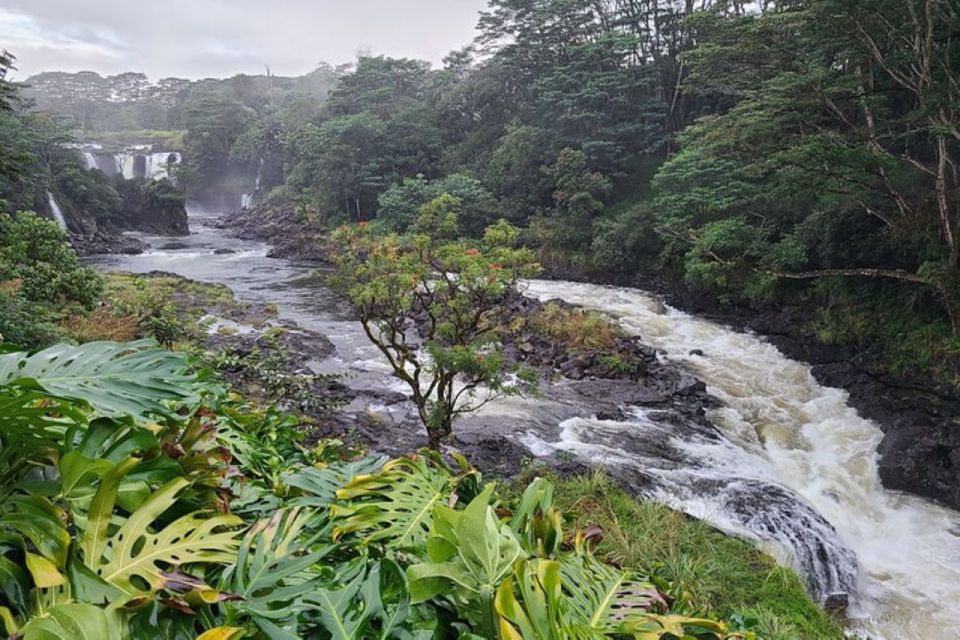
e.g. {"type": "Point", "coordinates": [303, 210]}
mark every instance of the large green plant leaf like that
{"type": "Point", "coordinates": [33, 418]}
{"type": "Point", "coordinates": [116, 379]}
{"type": "Point", "coordinates": [318, 487]}
{"type": "Point", "coordinates": [361, 604]}
{"type": "Point", "coordinates": [602, 597]}
{"type": "Point", "coordinates": [395, 506]}
{"type": "Point", "coordinates": [275, 571]}
{"type": "Point", "coordinates": [134, 558]}
{"type": "Point", "coordinates": [537, 613]}
{"type": "Point", "coordinates": [37, 521]}
{"type": "Point", "coordinates": [75, 621]}
{"type": "Point", "coordinates": [471, 553]}
{"type": "Point", "coordinates": [580, 598]}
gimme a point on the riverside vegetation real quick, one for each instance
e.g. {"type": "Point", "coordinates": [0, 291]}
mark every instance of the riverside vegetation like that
{"type": "Point", "coordinates": [145, 499]}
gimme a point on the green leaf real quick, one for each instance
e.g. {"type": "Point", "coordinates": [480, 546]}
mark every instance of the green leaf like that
{"type": "Point", "coordinates": [396, 505]}
{"type": "Point", "coordinates": [75, 621]}
{"type": "Point", "coordinates": [116, 379]}
{"type": "Point", "coordinates": [14, 584]}
{"type": "Point", "coordinates": [134, 557]}
{"type": "Point", "coordinates": [347, 610]}
{"type": "Point", "coordinates": [319, 487]}
{"type": "Point", "coordinates": [275, 571]}
{"type": "Point", "coordinates": [38, 520]}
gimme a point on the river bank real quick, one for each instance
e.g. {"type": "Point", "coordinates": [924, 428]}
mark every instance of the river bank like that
{"type": "Point", "coordinates": [920, 450]}
{"type": "Point", "coordinates": [783, 462]}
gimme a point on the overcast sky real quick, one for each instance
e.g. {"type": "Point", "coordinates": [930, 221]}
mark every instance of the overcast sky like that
{"type": "Point", "coordinates": [219, 38]}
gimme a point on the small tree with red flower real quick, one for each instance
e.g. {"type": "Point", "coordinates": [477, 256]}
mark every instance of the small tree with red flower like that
{"type": "Point", "coordinates": [434, 307]}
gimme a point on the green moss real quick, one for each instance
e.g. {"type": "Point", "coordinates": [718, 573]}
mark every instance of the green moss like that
{"type": "Point", "coordinates": [725, 575]}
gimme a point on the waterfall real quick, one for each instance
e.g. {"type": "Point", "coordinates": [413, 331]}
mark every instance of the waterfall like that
{"type": "Point", "coordinates": [158, 164]}
{"type": "Point", "coordinates": [246, 199]}
{"type": "Point", "coordinates": [795, 468]}
{"type": "Point", "coordinates": [55, 210]}
{"type": "Point", "coordinates": [135, 162]}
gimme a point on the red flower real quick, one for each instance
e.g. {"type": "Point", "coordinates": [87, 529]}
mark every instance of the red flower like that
{"type": "Point", "coordinates": [472, 252]}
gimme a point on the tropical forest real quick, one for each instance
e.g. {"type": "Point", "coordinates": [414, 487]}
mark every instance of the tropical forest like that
{"type": "Point", "coordinates": [516, 320]}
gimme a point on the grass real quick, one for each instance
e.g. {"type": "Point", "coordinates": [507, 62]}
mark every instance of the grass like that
{"type": "Point", "coordinates": [724, 575]}
{"type": "Point", "coordinates": [905, 331]}
{"type": "Point", "coordinates": [577, 328]}
{"type": "Point", "coordinates": [102, 323]}
{"type": "Point", "coordinates": [170, 309]}
{"type": "Point", "coordinates": [169, 140]}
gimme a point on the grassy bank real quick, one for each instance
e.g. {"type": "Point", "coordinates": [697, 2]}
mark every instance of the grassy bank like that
{"type": "Point", "coordinates": [722, 574]}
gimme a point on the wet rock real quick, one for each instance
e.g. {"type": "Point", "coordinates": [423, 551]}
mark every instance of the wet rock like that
{"type": "Point", "coordinates": [283, 229]}
{"type": "Point", "coordinates": [223, 251]}
{"type": "Point", "coordinates": [923, 460]}
{"type": "Point", "coordinates": [835, 604]}
{"type": "Point", "coordinates": [696, 352]}
{"type": "Point", "coordinates": [104, 242]}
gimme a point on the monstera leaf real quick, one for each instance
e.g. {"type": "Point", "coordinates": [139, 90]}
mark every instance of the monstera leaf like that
{"type": "Point", "coordinates": [136, 556]}
{"type": "Point", "coordinates": [395, 506]}
{"type": "Point", "coordinates": [603, 598]}
{"type": "Point", "coordinates": [318, 487]}
{"type": "Point", "coordinates": [580, 598]}
{"type": "Point", "coordinates": [115, 379]}
{"type": "Point", "coordinates": [349, 609]}
{"type": "Point", "coordinates": [275, 571]}
{"type": "Point", "coordinates": [75, 621]}
{"type": "Point", "coordinates": [34, 418]}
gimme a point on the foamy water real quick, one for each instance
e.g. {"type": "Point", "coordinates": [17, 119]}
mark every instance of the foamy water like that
{"type": "Point", "coordinates": [783, 426]}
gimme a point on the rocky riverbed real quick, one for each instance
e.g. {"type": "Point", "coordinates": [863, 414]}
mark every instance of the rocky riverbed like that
{"type": "Point", "coordinates": [920, 418]}
{"type": "Point", "coordinates": [920, 451]}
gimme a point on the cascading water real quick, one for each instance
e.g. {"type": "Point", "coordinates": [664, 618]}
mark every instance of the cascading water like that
{"type": "Point", "coordinates": [806, 450]}
{"type": "Point", "coordinates": [55, 210]}
{"type": "Point", "coordinates": [157, 165]}
{"type": "Point", "coordinates": [126, 165]}
{"type": "Point", "coordinates": [246, 199]}
{"type": "Point", "coordinates": [89, 160]}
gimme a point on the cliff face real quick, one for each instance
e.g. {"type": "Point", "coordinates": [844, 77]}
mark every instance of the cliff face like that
{"type": "Point", "coordinates": [156, 207]}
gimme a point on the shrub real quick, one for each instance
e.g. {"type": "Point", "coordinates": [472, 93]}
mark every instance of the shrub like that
{"type": "Point", "coordinates": [575, 327]}
{"type": "Point", "coordinates": [42, 280]}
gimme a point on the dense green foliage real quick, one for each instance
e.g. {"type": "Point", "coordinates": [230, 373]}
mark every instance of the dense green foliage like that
{"type": "Point", "coordinates": [719, 573]}
{"type": "Point", "coordinates": [41, 280]}
{"type": "Point", "coordinates": [141, 501]}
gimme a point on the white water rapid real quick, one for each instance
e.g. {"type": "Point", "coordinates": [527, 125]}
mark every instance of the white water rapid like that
{"type": "Point", "coordinates": [783, 428]}
{"type": "Point", "coordinates": [55, 210]}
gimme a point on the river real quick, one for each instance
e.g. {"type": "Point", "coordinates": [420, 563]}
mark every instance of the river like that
{"type": "Point", "coordinates": [780, 429]}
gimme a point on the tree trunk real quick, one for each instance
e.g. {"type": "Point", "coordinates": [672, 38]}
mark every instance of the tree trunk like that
{"type": "Point", "coordinates": [437, 433]}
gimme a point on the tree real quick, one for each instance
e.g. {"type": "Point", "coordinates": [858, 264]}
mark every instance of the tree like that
{"type": "Point", "coordinates": [834, 162]}
{"type": "Point", "coordinates": [345, 161]}
{"type": "Point", "coordinates": [578, 198]}
{"type": "Point", "coordinates": [434, 308]}
{"type": "Point", "coordinates": [7, 90]}
{"type": "Point", "coordinates": [399, 205]}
